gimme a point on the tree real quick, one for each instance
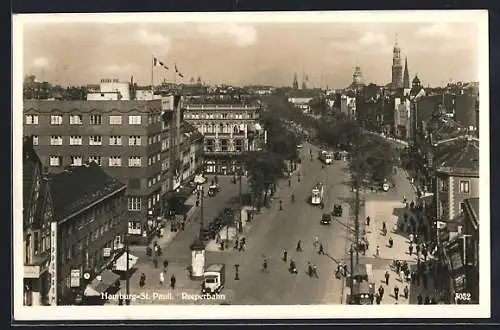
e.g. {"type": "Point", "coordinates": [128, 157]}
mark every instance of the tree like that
{"type": "Point", "coordinates": [264, 170]}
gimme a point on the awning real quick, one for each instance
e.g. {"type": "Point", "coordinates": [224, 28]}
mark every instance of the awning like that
{"type": "Point", "coordinates": [101, 283]}
{"type": "Point", "coordinates": [121, 263]}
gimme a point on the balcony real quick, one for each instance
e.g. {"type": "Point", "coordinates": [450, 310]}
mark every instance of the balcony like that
{"type": "Point", "coordinates": [220, 107]}
{"type": "Point", "coordinates": [221, 152]}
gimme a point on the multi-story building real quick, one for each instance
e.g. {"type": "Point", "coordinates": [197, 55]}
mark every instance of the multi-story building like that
{"type": "Point", "coordinates": [87, 232]}
{"type": "Point", "coordinates": [348, 105]}
{"type": "Point", "coordinates": [192, 151]}
{"type": "Point", "coordinates": [229, 129]}
{"type": "Point", "coordinates": [129, 139]}
{"type": "Point", "coordinates": [456, 176]}
{"type": "Point", "coordinates": [37, 216]}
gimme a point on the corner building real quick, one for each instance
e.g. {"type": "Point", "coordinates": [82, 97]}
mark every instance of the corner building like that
{"type": "Point", "coordinates": [129, 139]}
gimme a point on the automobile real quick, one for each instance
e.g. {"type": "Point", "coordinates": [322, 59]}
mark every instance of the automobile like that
{"type": "Point", "coordinates": [213, 190]}
{"type": "Point", "coordinates": [326, 219]}
{"type": "Point", "coordinates": [299, 146]}
{"type": "Point", "coordinates": [337, 210]}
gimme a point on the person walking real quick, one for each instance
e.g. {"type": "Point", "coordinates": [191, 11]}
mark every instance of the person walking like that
{"type": "Point", "coordinates": [321, 249]}
{"type": "Point", "coordinates": [173, 280]}
{"type": "Point", "coordinates": [402, 276]}
{"type": "Point", "coordinates": [427, 300]}
{"type": "Point", "coordinates": [381, 292]}
{"type": "Point", "coordinates": [165, 265]}
{"type": "Point", "coordinates": [377, 252]}
{"type": "Point", "coordinates": [162, 278]}
{"type": "Point", "coordinates": [420, 299]}
{"type": "Point", "coordinates": [316, 241]}
{"type": "Point", "coordinates": [391, 242]}
{"type": "Point", "coordinates": [299, 246]}
{"type": "Point", "coordinates": [142, 280]}
{"type": "Point", "coordinates": [396, 292]}
{"type": "Point", "coordinates": [410, 249]}
{"type": "Point", "coordinates": [386, 277]}
{"type": "Point", "coordinates": [406, 292]}
{"type": "Point", "coordinates": [368, 221]}
{"type": "Point", "coordinates": [417, 249]}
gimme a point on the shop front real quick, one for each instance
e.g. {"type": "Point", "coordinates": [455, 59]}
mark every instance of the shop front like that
{"type": "Point", "coordinates": [36, 285]}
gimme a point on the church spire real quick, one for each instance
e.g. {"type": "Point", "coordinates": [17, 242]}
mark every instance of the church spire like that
{"type": "Point", "coordinates": [406, 75]}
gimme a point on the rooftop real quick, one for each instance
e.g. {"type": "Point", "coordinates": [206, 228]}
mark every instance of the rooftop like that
{"type": "Point", "coordinates": [78, 187]}
{"type": "Point", "coordinates": [458, 156]}
{"type": "Point", "coordinates": [123, 106]}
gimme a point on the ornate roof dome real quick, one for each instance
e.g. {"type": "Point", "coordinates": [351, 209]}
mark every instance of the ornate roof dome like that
{"type": "Point", "coordinates": [416, 80]}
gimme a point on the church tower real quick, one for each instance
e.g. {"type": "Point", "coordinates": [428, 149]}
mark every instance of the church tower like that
{"type": "Point", "coordinates": [406, 76]}
{"type": "Point", "coordinates": [397, 67]}
{"type": "Point", "coordinates": [295, 84]}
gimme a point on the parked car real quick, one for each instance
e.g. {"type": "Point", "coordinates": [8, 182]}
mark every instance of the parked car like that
{"type": "Point", "coordinates": [337, 210]}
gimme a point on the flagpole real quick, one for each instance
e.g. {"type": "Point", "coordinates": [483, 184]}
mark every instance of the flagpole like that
{"type": "Point", "coordinates": [152, 77]}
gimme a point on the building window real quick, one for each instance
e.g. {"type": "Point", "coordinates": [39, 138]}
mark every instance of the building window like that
{"type": "Point", "coordinates": [76, 160]}
{"type": "Point", "coordinates": [95, 159]}
{"type": "Point", "coordinates": [55, 160]}
{"type": "Point", "coordinates": [75, 140]}
{"type": "Point", "coordinates": [115, 161]}
{"type": "Point", "coordinates": [158, 157]}
{"type": "Point", "coordinates": [56, 119]}
{"type": "Point", "coordinates": [31, 119]}
{"type": "Point", "coordinates": [134, 120]}
{"type": "Point", "coordinates": [134, 140]}
{"type": "Point", "coordinates": [115, 120]}
{"type": "Point", "coordinates": [464, 187]}
{"type": "Point", "coordinates": [134, 203]}
{"type": "Point", "coordinates": [35, 140]}
{"type": "Point", "coordinates": [56, 140]}
{"type": "Point", "coordinates": [134, 161]}
{"type": "Point", "coordinates": [150, 140]}
{"type": "Point", "coordinates": [95, 140]}
{"type": "Point", "coordinates": [164, 145]}
{"type": "Point", "coordinates": [95, 120]}
{"type": "Point", "coordinates": [115, 140]}
{"type": "Point", "coordinates": [75, 119]}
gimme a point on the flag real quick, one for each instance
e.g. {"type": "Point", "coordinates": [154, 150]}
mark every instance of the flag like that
{"type": "Point", "coordinates": [157, 62]}
{"type": "Point", "coordinates": [177, 71]}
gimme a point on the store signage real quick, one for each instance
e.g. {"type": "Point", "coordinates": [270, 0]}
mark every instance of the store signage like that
{"type": "Point", "coordinates": [75, 278]}
{"type": "Point", "coordinates": [107, 252]}
{"type": "Point", "coordinates": [53, 264]}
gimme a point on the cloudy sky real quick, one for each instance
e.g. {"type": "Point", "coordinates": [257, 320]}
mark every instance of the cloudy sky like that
{"type": "Point", "coordinates": [249, 52]}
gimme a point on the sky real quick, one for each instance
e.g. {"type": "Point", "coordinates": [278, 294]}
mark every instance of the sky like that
{"type": "Point", "coordinates": [248, 52]}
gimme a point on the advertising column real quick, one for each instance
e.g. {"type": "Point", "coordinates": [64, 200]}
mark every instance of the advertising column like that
{"type": "Point", "coordinates": [53, 264]}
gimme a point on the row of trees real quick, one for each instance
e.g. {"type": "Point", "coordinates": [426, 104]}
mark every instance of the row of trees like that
{"type": "Point", "coordinates": [267, 166]}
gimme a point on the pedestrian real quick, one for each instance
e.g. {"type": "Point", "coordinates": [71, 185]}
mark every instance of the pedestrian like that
{"type": "Point", "coordinates": [391, 242]}
{"type": "Point", "coordinates": [427, 300]}
{"type": "Point", "coordinates": [156, 248]}
{"type": "Point", "coordinates": [424, 253]}
{"type": "Point", "coordinates": [172, 282]}
{"type": "Point", "coordinates": [142, 281]}
{"type": "Point", "coordinates": [381, 292]}
{"type": "Point", "coordinates": [162, 278]}
{"type": "Point", "coordinates": [396, 292]}
{"type": "Point", "coordinates": [299, 246]}
{"type": "Point", "coordinates": [401, 276]}
{"type": "Point", "coordinates": [155, 262]}
{"type": "Point", "coordinates": [411, 237]}
{"type": "Point", "coordinates": [368, 221]}
{"type": "Point", "coordinates": [417, 248]}
{"type": "Point", "coordinates": [281, 205]}
{"type": "Point", "coordinates": [405, 291]}
{"type": "Point", "coordinates": [386, 277]}
{"type": "Point", "coordinates": [165, 264]}
{"type": "Point", "coordinates": [384, 227]}
{"type": "Point", "coordinates": [419, 299]}
{"type": "Point", "coordinates": [377, 298]}
{"type": "Point", "coordinates": [377, 253]}
{"type": "Point", "coordinates": [372, 297]}
{"type": "Point", "coordinates": [316, 241]}
{"type": "Point", "coordinates": [321, 250]}
{"type": "Point", "coordinates": [410, 248]}
{"type": "Point", "coordinates": [289, 183]}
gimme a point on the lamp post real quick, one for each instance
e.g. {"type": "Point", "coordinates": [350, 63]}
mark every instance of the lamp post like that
{"type": "Point", "coordinates": [240, 224]}
{"type": "Point", "coordinates": [127, 280]}
{"type": "Point", "coordinates": [201, 194]}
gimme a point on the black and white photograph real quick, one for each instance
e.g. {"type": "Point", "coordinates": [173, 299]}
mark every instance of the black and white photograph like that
{"type": "Point", "coordinates": [251, 165]}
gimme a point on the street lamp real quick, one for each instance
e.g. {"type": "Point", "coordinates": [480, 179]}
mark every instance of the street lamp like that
{"type": "Point", "coordinates": [201, 194]}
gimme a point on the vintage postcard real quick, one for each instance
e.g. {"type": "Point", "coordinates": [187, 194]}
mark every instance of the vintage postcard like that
{"type": "Point", "coordinates": [251, 165]}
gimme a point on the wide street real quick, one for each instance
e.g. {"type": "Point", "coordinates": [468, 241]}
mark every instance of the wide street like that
{"type": "Point", "coordinates": [273, 230]}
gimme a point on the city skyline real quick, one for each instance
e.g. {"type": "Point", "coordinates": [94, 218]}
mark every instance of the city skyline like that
{"type": "Point", "coordinates": [246, 52]}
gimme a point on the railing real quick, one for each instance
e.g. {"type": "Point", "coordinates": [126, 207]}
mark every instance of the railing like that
{"type": "Point", "coordinates": [220, 106]}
